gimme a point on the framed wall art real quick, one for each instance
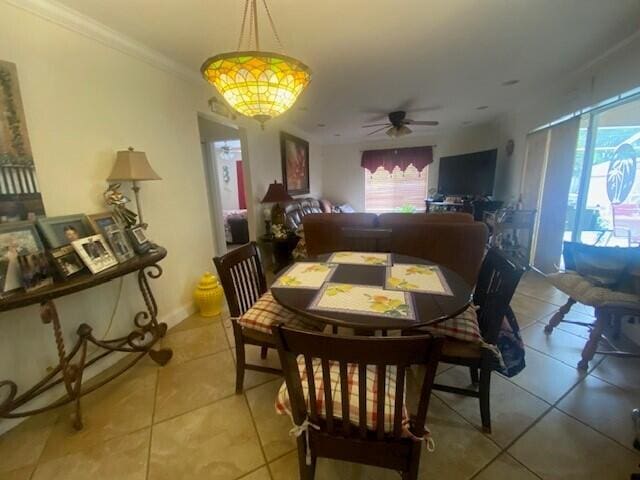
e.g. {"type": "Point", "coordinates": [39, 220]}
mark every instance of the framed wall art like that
{"type": "Point", "coordinates": [20, 197]}
{"type": "Point", "coordinates": [295, 164]}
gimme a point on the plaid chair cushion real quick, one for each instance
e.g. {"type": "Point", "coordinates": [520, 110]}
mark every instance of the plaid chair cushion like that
{"type": "Point", "coordinates": [283, 406]}
{"type": "Point", "coordinates": [463, 327]}
{"type": "Point", "coordinates": [266, 312]}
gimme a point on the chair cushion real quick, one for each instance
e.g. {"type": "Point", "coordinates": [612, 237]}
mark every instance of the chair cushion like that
{"type": "Point", "coordinates": [462, 327]}
{"type": "Point", "coordinates": [283, 405]}
{"type": "Point", "coordinates": [460, 349]}
{"type": "Point", "coordinates": [585, 292]}
{"type": "Point", "coordinates": [266, 312]}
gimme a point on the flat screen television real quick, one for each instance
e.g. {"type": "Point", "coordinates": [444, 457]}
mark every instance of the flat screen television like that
{"type": "Point", "coordinates": [469, 174]}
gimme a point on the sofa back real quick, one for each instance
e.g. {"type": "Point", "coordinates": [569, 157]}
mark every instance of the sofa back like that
{"type": "Point", "coordinates": [323, 231]}
{"type": "Point", "coordinates": [458, 244]}
{"type": "Point", "coordinates": [296, 209]}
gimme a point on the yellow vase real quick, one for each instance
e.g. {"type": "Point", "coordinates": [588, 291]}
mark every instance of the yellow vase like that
{"type": "Point", "coordinates": [208, 295]}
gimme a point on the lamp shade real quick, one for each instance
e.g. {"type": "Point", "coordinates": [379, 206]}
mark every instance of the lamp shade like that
{"type": "Point", "coordinates": [276, 193]}
{"type": "Point", "coordinates": [132, 165]}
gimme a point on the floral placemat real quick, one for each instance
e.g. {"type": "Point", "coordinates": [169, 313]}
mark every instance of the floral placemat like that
{"type": "Point", "coordinates": [416, 278]}
{"type": "Point", "coordinates": [361, 258]}
{"type": "Point", "coordinates": [305, 275]}
{"type": "Point", "coordinates": [363, 299]}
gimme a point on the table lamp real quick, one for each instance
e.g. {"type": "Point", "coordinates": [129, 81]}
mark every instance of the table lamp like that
{"type": "Point", "coordinates": [134, 167]}
{"type": "Point", "coordinates": [275, 194]}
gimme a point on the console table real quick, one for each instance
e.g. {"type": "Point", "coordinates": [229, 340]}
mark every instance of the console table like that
{"type": "Point", "coordinates": [72, 363]}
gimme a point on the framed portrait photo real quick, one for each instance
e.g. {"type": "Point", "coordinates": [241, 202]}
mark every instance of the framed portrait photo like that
{"type": "Point", "coordinates": [295, 164]}
{"type": "Point", "coordinates": [95, 253]}
{"type": "Point", "coordinates": [16, 239]}
{"type": "Point", "coordinates": [106, 224]}
{"type": "Point", "coordinates": [138, 237]}
{"type": "Point", "coordinates": [35, 271]}
{"type": "Point", "coordinates": [60, 231]}
{"type": "Point", "coordinates": [67, 261]}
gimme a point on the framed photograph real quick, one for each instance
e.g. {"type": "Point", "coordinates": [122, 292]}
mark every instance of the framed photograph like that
{"type": "Point", "coordinates": [60, 231]}
{"type": "Point", "coordinates": [295, 164]}
{"type": "Point", "coordinates": [67, 261]}
{"type": "Point", "coordinates": [106, 224]}
{"type": "Point", "coordinates": [95, 253]}
{"type": "Point", "coordinates": [20, 197]}
{"type": "Point", "coordinates": [35, 271]}
{"type": "Point", "coordinates": [16, 239]}
{"type": "Point", "coordinates": [138, 237]}
{"type": "Point", "coordinates": [119, 242]}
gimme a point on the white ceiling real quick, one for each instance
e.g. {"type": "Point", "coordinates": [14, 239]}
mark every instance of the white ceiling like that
{"type": "Point", "coordinates": [439, 58]}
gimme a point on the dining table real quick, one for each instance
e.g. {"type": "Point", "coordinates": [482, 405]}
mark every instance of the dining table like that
{"type": "Point", "coordinates": [421, 308]}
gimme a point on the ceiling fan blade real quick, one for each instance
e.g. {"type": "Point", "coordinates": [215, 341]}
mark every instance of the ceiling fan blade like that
{"type": "Point", "coordinates": [377, 130]}
{"type": "Point", "coordinates": [431, 123]}
{"type": "Point", "coordinates": [376, 125]}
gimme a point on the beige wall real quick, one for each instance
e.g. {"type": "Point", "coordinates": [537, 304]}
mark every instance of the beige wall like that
{"type": "Point", "coordinates": [84, 101]}
{"type": "Point", "coordinates": [343, 177]}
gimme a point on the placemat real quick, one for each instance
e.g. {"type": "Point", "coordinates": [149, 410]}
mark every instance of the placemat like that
{"type": "Point", "coordinates": [364, 300]}
{"type": "Point", "coordinates": [416, 278]}
{"type": "Point", "coordinates": [361, 258]}
{"type": "Point", "coordinates": [305, 275]}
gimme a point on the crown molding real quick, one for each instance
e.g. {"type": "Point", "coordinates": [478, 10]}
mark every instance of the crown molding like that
{"type": "Point", "coordinates": [75, 21]}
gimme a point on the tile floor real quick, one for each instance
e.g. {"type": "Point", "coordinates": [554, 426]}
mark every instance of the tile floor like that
{"type": "Point", "coordinates": [184, 421]}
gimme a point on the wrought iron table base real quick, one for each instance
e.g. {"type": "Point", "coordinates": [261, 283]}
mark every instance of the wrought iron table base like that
{"type": "Point", "coordinates": [71, 366]}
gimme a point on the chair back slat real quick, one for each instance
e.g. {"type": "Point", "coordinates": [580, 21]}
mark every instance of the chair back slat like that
{"type": "Point", "coordinates": [242, 277]}
{"type": "Point", "coordinates": [497, 282]}
{"type": "Point", "coordinates": [328, 394]}
{"type": "Point", "coordinates": [360, 239]}
{"type": "Point", "coordinates": [313, 405]}
{"type": "Point", "coordinates": [397, 415]}
{"type": "Point", "coordinates": [344, 399]}
{"type": "Point", "coordinates": [362, 399]}
{"type": "Point", "coordinates": [381, 374]}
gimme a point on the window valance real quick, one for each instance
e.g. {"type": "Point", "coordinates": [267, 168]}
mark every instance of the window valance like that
{"type": "Point", "coordinates": [390, 158]}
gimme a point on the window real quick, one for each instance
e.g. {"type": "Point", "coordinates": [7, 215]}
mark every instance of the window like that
{"type": "Point", "coordinates": [395, 191]}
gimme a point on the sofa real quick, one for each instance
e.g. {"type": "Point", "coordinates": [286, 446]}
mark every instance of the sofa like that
{"type": "Point", "coordinates": [453, 240]}
{"type": "Point", "coordinates": [297, 209]}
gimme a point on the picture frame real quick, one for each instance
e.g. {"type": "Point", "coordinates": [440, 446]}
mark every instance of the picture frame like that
{"type": "Point", "coordinates": [95, 253]}
{"type": "Point", "coordinates": [35, 271]}
{"type": "Point", "coordinates": [295, 164]}
{"type": "Point", "coordinates": [139, 240]}
{"type": "Point", "coordinates": [63, 230]}
{"type": "Point", "coordinates": [106, 224]}
{"type": "Point", "coordinates": [16, 239]}
{"type": "Point", "coordinates": [67, 261]}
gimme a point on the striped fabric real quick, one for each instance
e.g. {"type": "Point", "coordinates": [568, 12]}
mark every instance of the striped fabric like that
{"type": "Point", "coordinates": [266, 312]}
{"type": "Point", "coordinates": [283, 406]}
{"type": "Point", "coordinates": [463, 327]}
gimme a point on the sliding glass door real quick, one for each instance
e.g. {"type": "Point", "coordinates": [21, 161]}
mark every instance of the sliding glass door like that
{"type": "Point", "coordinates": [604, 197]}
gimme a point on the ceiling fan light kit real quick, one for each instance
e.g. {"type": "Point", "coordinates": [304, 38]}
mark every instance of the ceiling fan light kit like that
{"type": "Point", "coordinates": [255, 83]}
{"type": "Point", "coordinates": [397, 125]}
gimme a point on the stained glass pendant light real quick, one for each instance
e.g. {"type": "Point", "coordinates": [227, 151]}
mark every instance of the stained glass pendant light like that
{"type": "Point", "coordinates": [255, 83]}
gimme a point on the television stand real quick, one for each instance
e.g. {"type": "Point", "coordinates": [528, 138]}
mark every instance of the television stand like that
{"type": "Point", "coordinates": [432, 207]}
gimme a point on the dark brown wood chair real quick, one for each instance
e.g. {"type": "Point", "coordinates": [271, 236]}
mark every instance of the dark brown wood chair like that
{"type": "Point", "coordinates": [243, 282]}
{"type": "Point", "coordinates": [497, 282]}
{"type": "Point", "coordinates": [357, 239]}
{"type": "Point", "coordinates": [352, 420]}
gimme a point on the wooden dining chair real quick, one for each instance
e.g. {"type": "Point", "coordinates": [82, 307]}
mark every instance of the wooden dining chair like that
{"type": "Point", "coordinates": [357, 239]}
{"type": "Point", "coordinates": [352, 391]}
{"type": "Point", "coordinates": [497, 282]}
{"type": "Point", "coordinates": [244, 282]}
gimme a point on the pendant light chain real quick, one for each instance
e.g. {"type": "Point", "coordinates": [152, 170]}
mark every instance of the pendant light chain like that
{"type": "Point", "coordinates": [273, 25]}
{"type": "Point", "coordinates": [244, 23]}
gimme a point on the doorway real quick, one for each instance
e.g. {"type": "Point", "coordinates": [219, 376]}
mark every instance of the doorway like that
{"type": "Point", "coordinates": [225, 167]}
{"type": "Point", "coordinates": [604, 198]}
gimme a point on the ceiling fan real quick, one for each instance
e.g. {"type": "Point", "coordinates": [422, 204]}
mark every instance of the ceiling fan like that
{"type": "Point", "coordinates": [397, 124]}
